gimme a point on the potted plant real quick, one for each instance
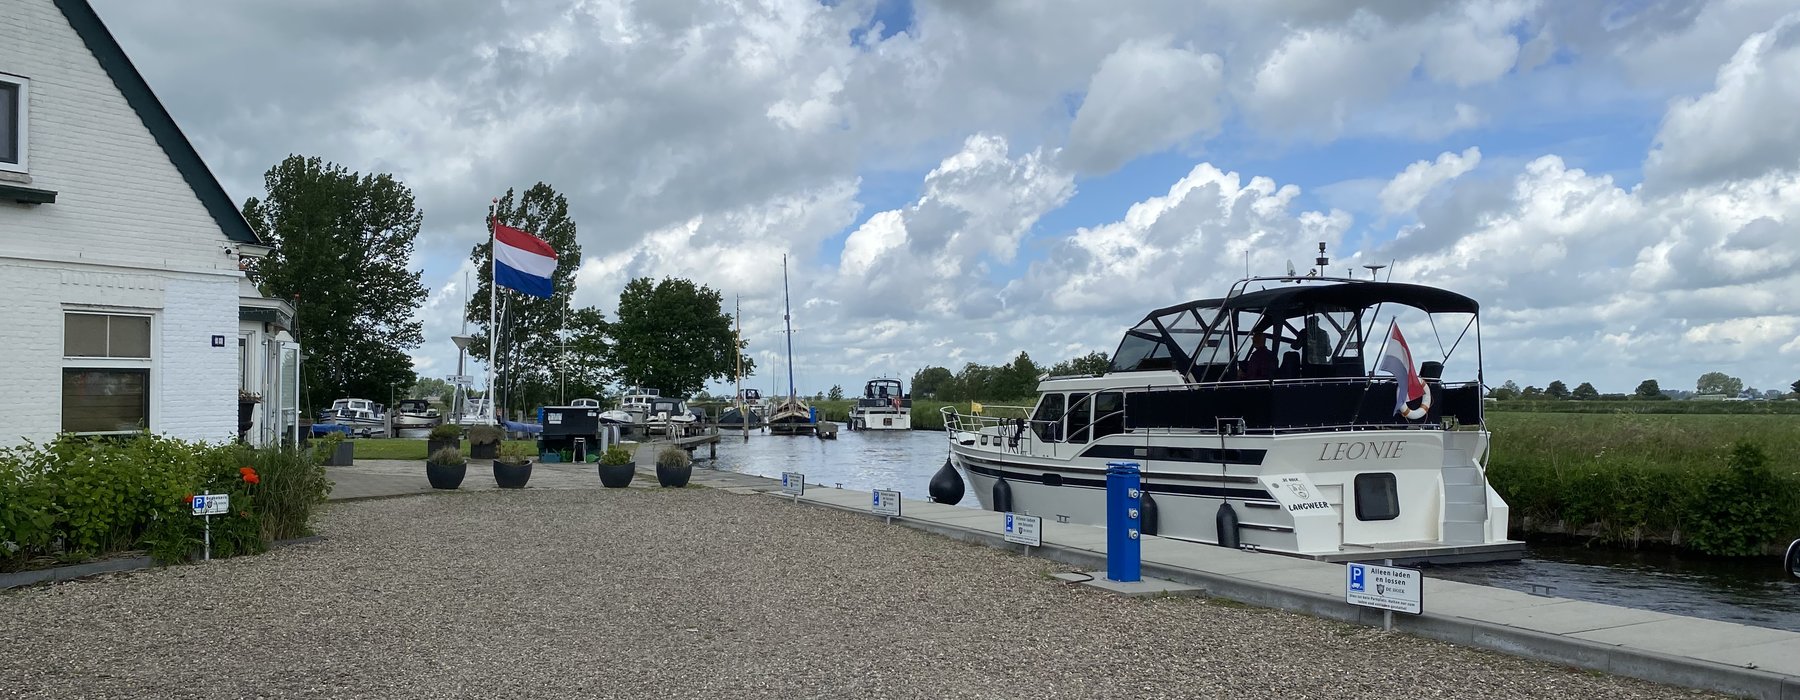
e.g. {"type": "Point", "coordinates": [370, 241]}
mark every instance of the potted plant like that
{"type": "Point", "coordinates": [616, 467]}
{"type": "Point", "coordinates": [443, 435]}
{"type": "Point", "coordinates": [484, 441]}
{"type": "Point", "coordinates": [445, 468]}
{"type": "Point", "coordinates": [674, 467]}
{"type": "Point", "coordinates": [247, 401]}
{"type": "Point", "coordinates": [513, 467]}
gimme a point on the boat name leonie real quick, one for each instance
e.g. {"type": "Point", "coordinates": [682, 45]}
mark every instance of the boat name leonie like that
{"type": "Point", "coordinates": [1339, 451]}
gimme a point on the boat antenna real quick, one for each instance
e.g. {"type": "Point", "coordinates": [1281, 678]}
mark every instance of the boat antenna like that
{"type": "Point", "coordinates": [1322, 260]}
{"type": "Point", "coordinates": [787, 318]}
{"type": "Point", "coordinates": [1391, 266]}
{"type": "Point", "coordinates": [1374, 269]}
{"type": "Point", "coordinates": [1246, 263]}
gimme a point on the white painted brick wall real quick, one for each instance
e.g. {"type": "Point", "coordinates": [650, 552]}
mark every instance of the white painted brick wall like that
{"type": "Point", "coordinates": [119, 199]}
{"type": "Point", "coordinates": [130, 228]}
{"type": "Point", "coordinates": [193, 386]}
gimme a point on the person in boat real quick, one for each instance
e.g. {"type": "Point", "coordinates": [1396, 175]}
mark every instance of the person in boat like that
{"type": "Point", "coordinates": [1261, 362]}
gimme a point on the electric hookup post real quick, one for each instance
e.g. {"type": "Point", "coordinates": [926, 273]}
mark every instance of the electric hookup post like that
{"type": "Point", "coordinates": [1124, 515]}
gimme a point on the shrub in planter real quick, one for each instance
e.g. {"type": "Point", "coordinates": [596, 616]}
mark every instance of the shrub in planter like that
{"type": "Point", "coordinates": [616, 468]}
{"type": "Point", "coordinates": [442, 436]}
{"type": "Point", "coordinates": [446, 468]}
{"type": "Point", "coordinates": [674, 467]}
{"type": "Point", "coordinates": [484, 441]}
{"type": "Point", "coordinates": [513, 467]}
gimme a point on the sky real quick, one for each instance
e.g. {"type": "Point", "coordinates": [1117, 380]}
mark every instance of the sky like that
{"type": "Point", "coordinates": [1617, 183]}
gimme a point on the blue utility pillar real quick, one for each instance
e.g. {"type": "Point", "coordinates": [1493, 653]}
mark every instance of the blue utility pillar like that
{"type": "Point", "coordinates": [1124, 514]}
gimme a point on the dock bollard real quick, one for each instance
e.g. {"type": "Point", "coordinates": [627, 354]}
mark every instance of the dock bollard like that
{"type": "Point", "coordinates": [1124, 513]}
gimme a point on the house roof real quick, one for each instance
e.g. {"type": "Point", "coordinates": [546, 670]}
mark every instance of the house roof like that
{"type": "Point", "coordinates": [162, 127]}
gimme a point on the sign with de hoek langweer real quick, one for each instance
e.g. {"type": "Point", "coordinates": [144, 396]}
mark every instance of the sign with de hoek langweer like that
{"type": "Point", "coordinates": [1297, 495]}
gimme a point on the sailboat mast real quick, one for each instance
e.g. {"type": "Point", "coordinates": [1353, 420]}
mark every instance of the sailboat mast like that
{"type": "Point", "coordinates": [738, 347]}
{"type": "Point", "coordinates": [787, 315]}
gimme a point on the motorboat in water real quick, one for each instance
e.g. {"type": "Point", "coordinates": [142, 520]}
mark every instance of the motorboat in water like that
{"type": "Point", "coordinates": [1287, 416]}
{"type": "Point", "coordinates": [883, 406]}
{"type": "Point", "coordinates": [670, 416]}
{"type": "Point", "coordinates": [748, 408]}
{"type": "Point", "coordinates": [415, 413]}
{"type": "Point", "coordinates": [637, 403]}
{"type": "Point", "coordinates": [359, 416]}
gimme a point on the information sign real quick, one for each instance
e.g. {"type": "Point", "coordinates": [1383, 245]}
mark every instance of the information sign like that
{"type": "Point", "coordinates": [885, 503]}
{"type": "Point", "coordinates": [212, 504]}
{"type": "Point", "coordinates": [1023, 529]}
{"type": "Point", "coordinates": [1384, 587]}
{"type": "Point", "coordinates": [793, 483]}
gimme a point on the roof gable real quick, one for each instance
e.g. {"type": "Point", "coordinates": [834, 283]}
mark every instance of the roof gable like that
{"type": "Point", "coordinates": [156, 119]}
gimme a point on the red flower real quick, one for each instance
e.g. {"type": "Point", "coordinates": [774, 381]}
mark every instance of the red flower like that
{"type": "Point", "coordinates": [188, 500]}
{"type": "Point", "coordinates": [249, 475]}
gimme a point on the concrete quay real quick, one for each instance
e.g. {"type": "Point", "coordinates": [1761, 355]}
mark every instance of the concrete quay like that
{"type": "Point", "coordinates": [1739, 659]}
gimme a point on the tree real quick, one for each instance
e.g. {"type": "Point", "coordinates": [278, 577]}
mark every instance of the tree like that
{"type": "Point", "coordinates": [1531, 392]}
{"type": "Point", "coordinates": [673, 335]}
{"type": "Point", "coordinates": [547, 347]}
{"type": "Point", "coordinates": [931, 381]}
{"type": "Point", "coordinates": [836, 393]}
{"type": "Point", "coordinates": [342, 245]}
{"type": "Point", "coordinates": [1719, 383]}
{"type": "Point", "coordinates": [1093, 363]}
{"type": "Point", "coordinates": [1648, 390]}
{"type": "Point", "coordinates": [1505, 392]}
{"type": "Point", "coordinates": [1586, 392]}
{"type": "Point", "coordinates": [432, 388]}
{"type": "Point", "coordinates": [1016, 379]}
{"type": "Point", "coordinates": [1557, 390]}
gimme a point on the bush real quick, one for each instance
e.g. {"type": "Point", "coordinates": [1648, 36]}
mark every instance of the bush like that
{"type": "Point", "coordinates": [446, 431]}
{"type": "Point", "coordinates": [447, 457]}
{"type": "Point", "coordinates": [673, 458]}
{"type": "Point", "coordinates": [1741, 509]}
{"type": "Point", "coordinates": [616, 455]}
{"type": "Point", "coordinates": [516, 453]}
{"type": "Point", "coordinates": [485, 434]}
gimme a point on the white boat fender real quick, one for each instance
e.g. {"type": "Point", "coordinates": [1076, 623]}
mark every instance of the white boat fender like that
{"type": "Point", "coordinates": [946, 485]}
{"type": "Point", "coordinates": [1147, 514]}
{"type": "Point", "coordinates": [1003, 496]}
{"type": "Point", "coordinates": [1227, 524]}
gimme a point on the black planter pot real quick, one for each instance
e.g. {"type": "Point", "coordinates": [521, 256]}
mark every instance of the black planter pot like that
{"type": "Point", "coordinates": [617, 476]}
{"type": "Point", "coordinates": [484, 450]}
{"type": "Point", "coordinates": [674, 476]}
{"type": "Point", "coordinates": [343, 456]}
{"type": "Point", "coordinates": [432, 445]}
{"type": "Point", "coordinates": [511, 476]}
{"type": "Point", "coordinates": [446, 476]}
{"type": "Point", "coordinates": [246, 418]}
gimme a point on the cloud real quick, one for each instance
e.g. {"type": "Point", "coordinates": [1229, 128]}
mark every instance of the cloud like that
{"type": "Point", "coordinates": [1145, 98]}
{"type": "Point", "coordinates": [1410, 187]}
{"type": "Point", "coordinates": [1738, 129]}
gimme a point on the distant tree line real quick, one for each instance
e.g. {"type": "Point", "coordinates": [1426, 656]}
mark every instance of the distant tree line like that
{"type": "Point", "coordinates": [1711, 384]}
{"type": "Point", "coordinates": [1014, 380]}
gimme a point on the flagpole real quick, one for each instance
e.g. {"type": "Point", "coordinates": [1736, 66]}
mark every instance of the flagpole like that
{"type": "Point", "coordinates": [493, 295]}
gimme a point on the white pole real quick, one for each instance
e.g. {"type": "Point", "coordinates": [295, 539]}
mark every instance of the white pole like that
{"type": "Point", "coordinates": [493, 327]}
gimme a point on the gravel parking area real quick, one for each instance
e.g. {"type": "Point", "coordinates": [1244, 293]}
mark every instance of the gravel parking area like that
{"type": "Point", "coordinates": [692, 593]}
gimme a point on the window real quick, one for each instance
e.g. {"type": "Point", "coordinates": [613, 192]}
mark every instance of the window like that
{"type": "Point", "coordinates": [1377, 498]}
{"type": "Point", "coordinates": [106, 372]}
{"type": "Point", "coordinates": [1044, 421]}
{"type": "Point", "coordinates": [1081, 412]}
{"type": "Point", "coordinates": [15, 109]}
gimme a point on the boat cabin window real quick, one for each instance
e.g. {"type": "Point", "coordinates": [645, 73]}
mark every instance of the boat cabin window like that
{"type": "Point", "coordinates": [1094, 416]}
{"type": "Point", "coordinates": [1377, 497]}
{"type": "Point", "coordinates": [1081, 412]}
{"type": "Point", "coordinates": [1139, 352]}
{"type": "Point", "coordinates": [1046, 420]}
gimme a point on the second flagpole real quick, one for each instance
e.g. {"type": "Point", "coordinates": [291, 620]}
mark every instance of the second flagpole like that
{"type": "Point", "coordinates": [493, 294]}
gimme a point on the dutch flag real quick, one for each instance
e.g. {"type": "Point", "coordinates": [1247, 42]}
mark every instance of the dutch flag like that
{"type": "Point", "coordinates": [1396, 359]}
{"type": "Point", "coordinates": [523, 262]}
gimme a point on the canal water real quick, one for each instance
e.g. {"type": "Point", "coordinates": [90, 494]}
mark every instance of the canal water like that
{"type": "Point", "coordinates": [1751, 592]}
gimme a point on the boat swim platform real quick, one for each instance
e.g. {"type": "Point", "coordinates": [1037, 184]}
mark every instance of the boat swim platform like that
{"type": "Point", "coordinates": [1743, 660]}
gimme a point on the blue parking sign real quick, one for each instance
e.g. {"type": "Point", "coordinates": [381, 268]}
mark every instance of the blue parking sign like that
{"type": "Point", "coordinates": [1356, 577]}
{"type": "Point", "coordinates": [1009, 527]}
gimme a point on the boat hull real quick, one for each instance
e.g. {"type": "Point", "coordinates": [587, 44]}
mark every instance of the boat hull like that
{"type": "Point", "coordinates": [871, 420]}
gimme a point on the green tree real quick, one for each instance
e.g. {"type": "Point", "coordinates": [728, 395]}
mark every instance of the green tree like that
{"type": "Point", "coordinates": [1531, 392]}
{"type": "Point", "coordinates": [1648, 390]}
{"type": "Point", "coordinates": [836, 393]}
{"type": "Point", "coordinates": [673, 335]}
{"type": "Point", "coordinates": [1557, 390]}
{"type": "Point", "coordinates": [547, 347]}
{"type": "Point", "coordinates": [1586, 392]}
{"type": "Point", "coordinates": [1016, 379]}
{"type": "Point", "coordinates": [342, 245]}
{"type": "Point", "coordinates": [1719, 383]}
{"type": "Point", "coordinates": [1093, 363]}
{"type": "Point", "coordinates": [432, 388]}
{"type": "Point", "coordinates": [931, 382]}
{"type": "Point", "coordinates": [1505, 392]}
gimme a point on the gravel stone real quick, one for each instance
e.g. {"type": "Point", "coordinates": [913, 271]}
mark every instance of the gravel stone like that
{"type": "Point", "coordinates": [691, 593]}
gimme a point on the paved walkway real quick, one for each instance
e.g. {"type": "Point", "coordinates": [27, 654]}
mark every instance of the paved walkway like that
{"type": "Point", "coordinates": [1740, 659]}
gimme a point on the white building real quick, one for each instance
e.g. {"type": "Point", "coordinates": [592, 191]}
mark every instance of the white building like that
{"type": "Point", "coordinates": [119, 251]}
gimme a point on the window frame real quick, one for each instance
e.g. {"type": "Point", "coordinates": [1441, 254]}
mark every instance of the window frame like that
{"type": "Point", "coordinates": [21, 124]}
{"type": "Point", "coordinates": [1392, 494]}
{"type": "Point", "coordinates": [146, 365]}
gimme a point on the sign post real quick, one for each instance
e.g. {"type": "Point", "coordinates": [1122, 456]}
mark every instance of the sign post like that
{"type": "Point", "coordinates": [1385, 587]}
{"type": "Point", "coordinates": [793, 484]}
{"type": "Point", "coordinates": [1024, 529]}
{"type": "Point", "coordinates": [886, 504]}
{"type": "Point", "coordinates": [207, 505]}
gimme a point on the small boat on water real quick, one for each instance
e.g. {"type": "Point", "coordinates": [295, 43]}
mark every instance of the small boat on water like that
{"type": "Point", "coordinates": [359, 416]}
{"type": "Point", "coordinates": [1286, 416]}
{"type": "Point", "coordinates": [883, 406]}
{"type": "Point", "coordinates": [415, 413]}
{"type": "Point", "coordinates": [670, 416]}
{"type": "Point", "coordinates": [637, 402]}
{"type": "Point", "coordinates": [476, 411]}
{"type": "Point", "coordinates": [790, 416]}
{"type": "Point", "coordinates": [748, 408]}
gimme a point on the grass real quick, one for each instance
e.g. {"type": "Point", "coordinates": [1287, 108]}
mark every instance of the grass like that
{"type": "Point", "coordinates": [404, 448]}
{"type": "Point", "coordinates": [1787, 408]}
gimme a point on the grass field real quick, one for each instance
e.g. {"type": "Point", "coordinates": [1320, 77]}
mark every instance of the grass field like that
{"type": "Point", "coordinates": [1788, 408]}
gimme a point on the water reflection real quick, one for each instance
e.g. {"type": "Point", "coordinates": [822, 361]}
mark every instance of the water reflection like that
{"type": "Point", "coordinates": [903, 460]}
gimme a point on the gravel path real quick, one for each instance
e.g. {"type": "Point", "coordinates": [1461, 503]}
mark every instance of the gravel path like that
{"type": "Point", "coordinates": [690, 593]}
